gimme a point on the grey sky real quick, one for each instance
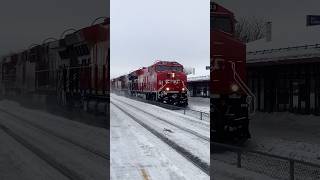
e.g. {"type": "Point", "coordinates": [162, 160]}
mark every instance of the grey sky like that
{"type": "Point", "coordinates": [143, 31]}
{"type": "Point", "coordinates": [32, 21]}
{"type": "Point", "coordinates": [272, 9]}
{"type": "Point", "coordinates": [284, 14]}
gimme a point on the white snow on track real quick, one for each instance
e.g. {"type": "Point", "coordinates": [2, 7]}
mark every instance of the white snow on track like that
{"type": "Point", "coordinates": [138, 154]}
{"type": "Point", "coordinates": [197, 146]}
{"type": "Point", "coordinates": [85, 164]}
{"type": "Point", "coordinates": [87, 135]}
{"type": "Point", "coordinates": [167, 114]}
{"type": "Point", "coordinates": [17, 162]}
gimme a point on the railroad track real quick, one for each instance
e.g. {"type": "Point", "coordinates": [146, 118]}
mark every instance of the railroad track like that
{"type": "Point", "coordinates": [49, 131]}
{"type": "Point", "coordinates": [171, 123]}
{"type": "Point", "coordinates": [160, 104]}
{"type": "Point", "coordinates": [166, 106]}
{"type": "Point", "coordinates": [67, 172]}
{"type": "Point", "coordinates": [182, 151]}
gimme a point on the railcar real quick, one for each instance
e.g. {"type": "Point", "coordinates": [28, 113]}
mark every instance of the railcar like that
{"type": "Point", "coordinates": [84, 71]}
{"type": "Point", "coordinates": [73, 68]}
{"type": "Point", "coordinates": [230, 97]}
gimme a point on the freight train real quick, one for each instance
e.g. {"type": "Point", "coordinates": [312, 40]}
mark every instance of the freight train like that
{"type": "Point", "coordinates": [230, 97]}
{"type": "Point", "coordinates": [73, 69]}
{"type": "Point", "coordinates": [164, 81]}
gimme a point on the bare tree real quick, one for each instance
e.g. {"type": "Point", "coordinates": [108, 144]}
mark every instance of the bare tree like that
{"type": "Point", "coordinates": [250, 29]}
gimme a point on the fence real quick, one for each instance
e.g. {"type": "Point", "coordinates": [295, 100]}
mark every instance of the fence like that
{"type": "Point", "coordinates": [274, 166]}
{"type": "Point", "coordinates": [197, 114]}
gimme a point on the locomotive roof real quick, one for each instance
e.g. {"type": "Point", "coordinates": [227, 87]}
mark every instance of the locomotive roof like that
{"type": "Point", "coordinates": [167, 63]}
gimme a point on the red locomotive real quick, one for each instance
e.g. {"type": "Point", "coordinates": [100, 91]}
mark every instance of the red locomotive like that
{"type": "Point", "coordinates": [230, 97]}
{"type": "Point", "coordinates": [164, 81]}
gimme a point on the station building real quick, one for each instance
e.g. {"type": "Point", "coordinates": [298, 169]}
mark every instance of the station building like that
{"type": "Point", "coordinates": [198, 86]}
{"type": "Point", "coordinates": [284, 70]}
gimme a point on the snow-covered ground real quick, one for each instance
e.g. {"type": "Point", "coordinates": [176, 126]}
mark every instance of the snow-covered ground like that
{"type": "Point", "coordinates": [283, 134]}
{"type": "Point", "coordinates": [198, 107]}
{"type": "Point", "coordinates": [286, 134]}
{"type": "Point", "coordinates": [148, 157]}
{"type": "Point", "coordinates": [199, 104]}
{"type": "Point", "coordinates": [200, 147]}
{"type": "Point", "coordinates": [223, 171]}
{"type": "Point", "coordinates": [51, 145]}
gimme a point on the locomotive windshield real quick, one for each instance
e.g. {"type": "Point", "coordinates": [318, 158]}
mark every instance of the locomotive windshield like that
{"type": "Point", "coordinates": [169, 68]}
{"type": "Point", "coordinates": [222, 23]}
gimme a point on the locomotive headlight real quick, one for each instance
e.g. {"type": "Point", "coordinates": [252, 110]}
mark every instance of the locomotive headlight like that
{"type": "Point", "coordinates": [183, 89]}
{"type": "Point", "coordinates": [173, 75]}
{"type": "Point", "coordinates": [234, 87]}
{"type": "Point", "coordinates": [167, 89]}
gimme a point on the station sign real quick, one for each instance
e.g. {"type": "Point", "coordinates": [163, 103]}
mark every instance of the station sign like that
{"type": "Point", "coordinates": [313, 20]}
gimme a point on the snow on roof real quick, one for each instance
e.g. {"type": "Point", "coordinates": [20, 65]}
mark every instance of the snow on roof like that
{"type": "Point", "coordinates": [198, 78]}
{"type": "Point", "coordinates": [297, 52]}
{"type": "Point", "coordinates": [288, 42]}
{"type": "Point", "coordinates": [200, 75]}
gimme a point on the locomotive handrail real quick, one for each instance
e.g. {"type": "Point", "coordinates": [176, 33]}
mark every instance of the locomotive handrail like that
{"type": "Point", "coordinates": [244, 87]}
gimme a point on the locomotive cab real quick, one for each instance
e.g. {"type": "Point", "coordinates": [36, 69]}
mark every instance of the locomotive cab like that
{"type": "Point", "coordinates": [229, 95]}
{"type": "Point", "coordinates": [171, 83]}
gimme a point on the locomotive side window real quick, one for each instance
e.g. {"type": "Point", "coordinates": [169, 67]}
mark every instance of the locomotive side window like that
{"type": "Point", "coordinates": [169, 68]}
{"type": "Point", "coordinates": [221, 23]}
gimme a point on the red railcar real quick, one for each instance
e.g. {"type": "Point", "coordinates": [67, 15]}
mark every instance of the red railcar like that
{"type": "Point", "coordinates": [164, 81]}
{"type": "Point", "coordinates": [73, 68]}
{"type": "Point", "coordinates": [84, 71]}
{"type": "Point", "coordinates": [229, 93]}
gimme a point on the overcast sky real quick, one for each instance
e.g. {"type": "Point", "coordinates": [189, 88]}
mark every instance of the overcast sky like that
{"type": "Point", "coordinates": [143, 31]}
{"type": "Point", "coordinates": [288, 17]}
{"type": "Point", "coordinates": [32, 21]}
{"type": "Point", "coordinates": [272, 8]}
